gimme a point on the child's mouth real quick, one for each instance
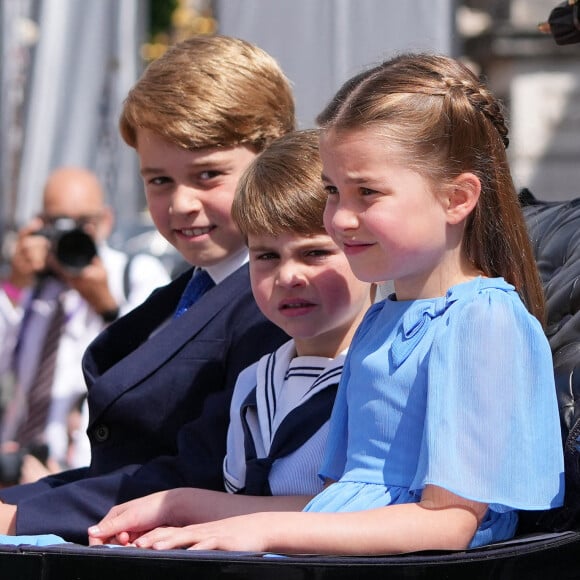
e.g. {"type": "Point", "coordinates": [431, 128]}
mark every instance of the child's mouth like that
{"type": "Point", "coordinates": [195, 232]}
{"type": "Point", "coordinates": [296, 307]}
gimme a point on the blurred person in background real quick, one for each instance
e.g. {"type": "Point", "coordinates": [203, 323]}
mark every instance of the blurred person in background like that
{"type": "Point", "coordinates": [64, 286]}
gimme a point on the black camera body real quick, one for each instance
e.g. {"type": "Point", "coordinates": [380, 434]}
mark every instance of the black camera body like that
{"type": "Point", "coordinates": [72, 247]}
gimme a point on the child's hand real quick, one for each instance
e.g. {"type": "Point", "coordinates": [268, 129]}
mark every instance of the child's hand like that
{"type": "Point", "coordinates": [240, 533]}
{"type": "Point", "coordinates": [127, 521]}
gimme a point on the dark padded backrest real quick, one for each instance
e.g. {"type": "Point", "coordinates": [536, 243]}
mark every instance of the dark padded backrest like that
{"type": "Point", "coordinates": [554, 229]}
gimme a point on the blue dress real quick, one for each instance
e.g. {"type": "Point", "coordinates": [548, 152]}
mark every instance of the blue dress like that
{"type": "Point", "coordinates": [456, 391]}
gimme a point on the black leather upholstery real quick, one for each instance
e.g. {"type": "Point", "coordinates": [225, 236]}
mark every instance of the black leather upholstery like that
{"type": "Point", "coordinates": [554, 229]}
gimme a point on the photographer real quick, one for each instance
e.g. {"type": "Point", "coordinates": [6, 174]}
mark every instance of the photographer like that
{"type": "Point", "coordinates": [65, 285]}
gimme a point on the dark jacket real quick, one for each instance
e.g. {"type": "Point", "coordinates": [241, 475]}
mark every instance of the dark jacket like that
{"type": "Point", "coordinates": [159, 406]}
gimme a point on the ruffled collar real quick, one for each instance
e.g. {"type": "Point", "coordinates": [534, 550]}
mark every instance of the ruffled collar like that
{"type": "Point", "coordinates": [419, 313]}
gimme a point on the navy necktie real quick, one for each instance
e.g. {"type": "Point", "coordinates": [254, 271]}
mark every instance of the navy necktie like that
{"type": "Point", "coordinates": [294, 430]}
{"type": "Point", "coordinates": [199, 284]}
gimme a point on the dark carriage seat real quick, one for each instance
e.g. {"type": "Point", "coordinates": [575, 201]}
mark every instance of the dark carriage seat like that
{"type": "Point", "coordinates": [554, 229]}
{"type": "Point", "coordinates": [536, 557]}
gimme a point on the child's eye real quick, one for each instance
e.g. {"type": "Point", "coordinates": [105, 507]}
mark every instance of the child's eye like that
{"type": "Point", "coordinates": [367, 191]}
{"type": "Point", "coordinates": [330, 189]}
{"type": "Point", "coordinates": [162, 180]}
{"type": "Point", "coordinates": [319, 253]}
{"type": "Point", "coordinates": [207, 175]}
{"type": "Point", "coordinates": [266, 256]}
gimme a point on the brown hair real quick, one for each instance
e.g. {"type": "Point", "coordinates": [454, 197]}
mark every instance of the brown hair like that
{"type": "Point", "coordinates": [211, 91]}
{"type": "Point", "coordinates": [448, 122]}
{"type": "Point", "coordinates": [282, 190]}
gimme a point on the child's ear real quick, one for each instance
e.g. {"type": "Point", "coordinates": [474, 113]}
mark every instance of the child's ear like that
{"type": "Point", "coordinates": [462, 197]}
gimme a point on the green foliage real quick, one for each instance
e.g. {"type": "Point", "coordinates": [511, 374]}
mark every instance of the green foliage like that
{"type": "Point", "coordinates": [160, 12]}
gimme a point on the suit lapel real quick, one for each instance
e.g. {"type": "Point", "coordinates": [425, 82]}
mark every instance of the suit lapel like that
{"type": "Point", "coordinates": [125, 335]}
{"type": "Point", "coordinates": [155, 352]}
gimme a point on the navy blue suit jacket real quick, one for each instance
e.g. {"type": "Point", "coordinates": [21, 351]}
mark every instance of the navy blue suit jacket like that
{"type": "Point", "coordinates": [159, 405]}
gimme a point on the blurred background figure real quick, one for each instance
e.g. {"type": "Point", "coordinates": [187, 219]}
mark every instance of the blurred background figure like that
{"type": "Point", "coordinates": [64, 285]}
{"type": "Point", "coordinates": [563, 23]}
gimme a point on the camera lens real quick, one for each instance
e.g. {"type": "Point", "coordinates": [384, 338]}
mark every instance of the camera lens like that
{"type": "Point", "coordinates": [75, 249]}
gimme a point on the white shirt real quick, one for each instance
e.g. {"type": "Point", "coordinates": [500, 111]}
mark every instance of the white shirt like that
{"type": "Point", "coordinates": [283, 382]}
{"type": "Point", "coordinates": [229, 265]}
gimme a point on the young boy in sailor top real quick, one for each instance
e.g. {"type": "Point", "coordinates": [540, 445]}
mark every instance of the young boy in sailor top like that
{"type": "Point", "coordinates": [302, 283]}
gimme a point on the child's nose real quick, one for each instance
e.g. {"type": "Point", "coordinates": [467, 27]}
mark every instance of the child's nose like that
{"type": "Point", "coordinates": [186, 200]}
{"type": "Point", "coordinates": [343, 218]}
{"type": "Point", "coordinates": [290, 274]}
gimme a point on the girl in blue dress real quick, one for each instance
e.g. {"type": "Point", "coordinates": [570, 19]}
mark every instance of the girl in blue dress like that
{"type": "Point", "coordinates": [446, 422]}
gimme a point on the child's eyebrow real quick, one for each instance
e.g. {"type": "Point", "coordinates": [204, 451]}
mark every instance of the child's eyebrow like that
{"type": "Point", "coordinates": [151, 171]}
{"type": "Point", "coordinates": [261, 248]}
{"type": "Point", "coordinates": [197, 165]}
{"type": "Point", "coordinates": [212, 156]}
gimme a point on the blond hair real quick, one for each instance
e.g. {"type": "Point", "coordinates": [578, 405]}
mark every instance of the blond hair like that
{"type": "Point", "coordinates": [210, 91]}
{"type": "Point", "coordinates": [448, 122]}
{"type": "Point", "coordinates": [282, 190]}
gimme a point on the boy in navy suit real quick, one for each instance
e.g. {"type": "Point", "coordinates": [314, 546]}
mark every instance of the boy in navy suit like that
{"type": "Point", "coordinates": [159, 385]}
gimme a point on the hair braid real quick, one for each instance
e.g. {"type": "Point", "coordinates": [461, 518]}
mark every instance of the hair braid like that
{"type": "Point", "coordinates": [482, 100]}
{"type": "Point", "coordinates": [449, 122]}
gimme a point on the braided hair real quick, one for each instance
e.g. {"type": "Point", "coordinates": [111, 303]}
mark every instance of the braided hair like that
{"type": "Point", "coordinates": [448, 122]}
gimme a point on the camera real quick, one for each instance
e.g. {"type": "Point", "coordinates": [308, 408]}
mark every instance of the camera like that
{"type": "Point", "coordinates": [11, 462]}
{"type": "Point", "coordinates": [72, 247]}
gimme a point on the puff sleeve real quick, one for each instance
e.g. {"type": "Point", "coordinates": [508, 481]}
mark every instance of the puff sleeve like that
{"type": "Point", "coordinates": [492, 427]}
